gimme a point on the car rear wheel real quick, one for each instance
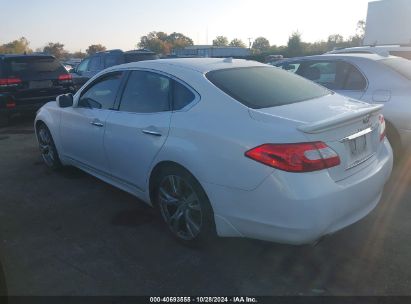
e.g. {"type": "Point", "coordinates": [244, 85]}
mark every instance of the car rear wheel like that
{"type": "Point", "coordinates": [184, 206]}
{"type": "Point", "coordinates": [47, 148]}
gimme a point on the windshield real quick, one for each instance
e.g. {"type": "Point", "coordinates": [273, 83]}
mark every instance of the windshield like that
{"type": "Point", "coordinates": [400, 65]}
{"type": "Point", "coordinates": [265, 87]}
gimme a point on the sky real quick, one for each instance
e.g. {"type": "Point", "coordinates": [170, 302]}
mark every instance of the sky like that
{"type": "Point", "coordinates": [120, 23]}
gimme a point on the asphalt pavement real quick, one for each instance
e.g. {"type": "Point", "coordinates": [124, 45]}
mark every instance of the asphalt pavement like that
{"type": "Point", "coordinates": [68, 233]}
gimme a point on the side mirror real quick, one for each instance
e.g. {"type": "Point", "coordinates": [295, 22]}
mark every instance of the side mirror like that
{"type": "Point", "coordinates": [65, 100]}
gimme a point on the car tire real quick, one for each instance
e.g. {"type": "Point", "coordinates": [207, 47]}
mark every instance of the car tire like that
{"type": "Point", "coordinates": [184, 206]}
{"type": "Point", "coordinates": [47, 147]}
{"type": "Point", "coordinates": [395, 141]}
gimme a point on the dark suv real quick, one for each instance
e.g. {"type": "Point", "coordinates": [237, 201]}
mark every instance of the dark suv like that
{"type": "Point", "coordinates": [90, 66]}
{"type": "Point", "coordinates": [29, 81]}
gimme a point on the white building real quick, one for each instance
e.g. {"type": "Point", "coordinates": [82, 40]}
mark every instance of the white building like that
{"type": "Point", "coordinates": [388, 22]}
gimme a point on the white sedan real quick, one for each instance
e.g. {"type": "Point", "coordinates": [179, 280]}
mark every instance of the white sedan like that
{"type": "Point", "coordinates": [370, 78]}
{"type": "Point", "coordinates": [227, 147]}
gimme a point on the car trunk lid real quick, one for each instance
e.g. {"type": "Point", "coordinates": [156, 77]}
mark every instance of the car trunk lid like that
{"type": "Point", "coordinates": [349, 127]}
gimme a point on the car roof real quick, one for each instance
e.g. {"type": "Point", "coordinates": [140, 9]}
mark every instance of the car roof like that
{"type": "Point", "coordinates": [25, 55]}
{"type": "Point", "coordinates": [374, 57]}
{"type": "Point", "coordinates": [202, 65]}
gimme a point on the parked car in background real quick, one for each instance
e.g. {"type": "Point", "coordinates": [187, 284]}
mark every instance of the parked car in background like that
{"type": "Point", "coordinates": [232, 146]}
{"type": "Point", "coordinates": [383, 50]}
{"type": "Point", "coordinates": [368, 77]}
{"type": "Point", "coordinates": [29, 81]}
{"type": "Point", "coordinates": [90, 66]}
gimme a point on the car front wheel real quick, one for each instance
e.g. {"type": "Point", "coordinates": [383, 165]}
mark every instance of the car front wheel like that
{"type": "Point", "coordinates": [184, 206]}
{"type": "Point", "coordinates": [47, 148]}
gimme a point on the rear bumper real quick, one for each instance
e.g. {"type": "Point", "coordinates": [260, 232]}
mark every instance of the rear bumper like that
{"type": "Point", "coordinates": [300, 208]}
{"type": "Point", "coordinates": [28, 105]}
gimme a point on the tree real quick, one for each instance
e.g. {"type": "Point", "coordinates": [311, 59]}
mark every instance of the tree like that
{"type": "Point", "coordinates": [18, 46]}
{"type": "Point", "coordinates": [55, 49]}
{"type": "Point", "coordinates": [220, 41]}
{"type": "Point", "coordinates": [162, 43]}
{"type": "Point", "coordinates": [295, 46]}
{"type": "Point", "coordinates": [261, 45]}
{"type": "Point", "coordinates": [178, 40]}
{"type": "Point", "coordinates": [78, 54]}
{"type": "Point", "coordinates": [94, 48]}
{"type": "Point", "coordinates": [237, 42]}
{"type": "Point", "coordinates": [155, 41]}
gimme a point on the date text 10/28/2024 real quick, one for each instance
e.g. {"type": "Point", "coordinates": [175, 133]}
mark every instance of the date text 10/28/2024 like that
{"type": "Point", "coordinates": [203, 300]}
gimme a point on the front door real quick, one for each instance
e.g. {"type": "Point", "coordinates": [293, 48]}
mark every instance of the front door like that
{"type": "Point", "coordinates": [83, 125]}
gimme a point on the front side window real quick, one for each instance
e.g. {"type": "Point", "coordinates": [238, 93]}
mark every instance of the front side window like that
{"type": "Point", "coordinates": [83, 66]}
{"type": "Point", "coordinates": [102, 94]}
{"type": "Point", "coordinates": [146, 92]}
{"type": "Point", "coordinates": [264, 87]}
{"type": "Point", "coordinates": [111, 60]}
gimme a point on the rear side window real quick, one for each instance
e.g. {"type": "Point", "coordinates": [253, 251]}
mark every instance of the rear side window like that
{"type": "Point", "coordinates": [400, 65]}
{"type": "Point", "coordinates": [182, 96]}
{"type": "Point", "coordinates": [146, 92]}
{"type": "Point", "coordinates": [334, 75]}
{"type": "Point", "coordinates": [264, 87]}
{"type": "Point", "coordinates": [95, 63]}
{"type": "Point", "coordinates": [111, 60]}
{"type": "Point", "coordinates": [33, 67]}
{"type": "Point", "coordinates": [102, 93]}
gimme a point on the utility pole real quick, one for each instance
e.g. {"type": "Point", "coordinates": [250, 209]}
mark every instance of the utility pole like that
{"type": "Point", "coordinates": [249, 42]}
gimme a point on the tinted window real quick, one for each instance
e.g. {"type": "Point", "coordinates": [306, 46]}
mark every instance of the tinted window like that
{"type": "Point", "coordinates": [94, 63]}
{"type": "Point", "coordinates": [133, 57]}
{"type": "Point", "coordinates": [290, 67]}
{"type": "Point", "coordinates": [264, 87]}
{"type": "Point", "coordinates": [400, 65]}
{"type": "Point", "coordinates": [83, 66]}
{"type": "Point", "coordinates": [182, 96]}
{"type": "Point", "coordinates": [30, 67]}
{"type": "Point", "coordinates": [102, 94]}
{"type": "Point", "coordinates": [146, 92]}
{"type": "Point", "coordinates": [111, 60]}
{"type": "Point", "coordinates": [335, 75]}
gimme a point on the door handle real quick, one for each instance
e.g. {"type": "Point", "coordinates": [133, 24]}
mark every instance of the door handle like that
{"type": "Point", "coordinates": [150, 132]}
{"type": "Point", "coordinates": [97, 123]}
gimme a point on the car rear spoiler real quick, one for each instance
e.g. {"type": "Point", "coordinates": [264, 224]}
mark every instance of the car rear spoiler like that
{"type": "Point", "coordinates": [342, 119]}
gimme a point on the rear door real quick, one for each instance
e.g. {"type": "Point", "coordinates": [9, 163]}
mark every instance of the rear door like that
{"type": "Point", "coordinates": [83, 126]}
{"type": "Point", "coordinates": [135, 134]}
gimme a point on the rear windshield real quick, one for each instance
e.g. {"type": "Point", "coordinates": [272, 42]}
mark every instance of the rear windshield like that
{"type": "Point", "coordinates": [400, 65]}
{"type": "Point", "coordinates": [133, 57]}
{"type": "Point", "coordinates": [30, 67]}
{"type": "Point", "coordinates": [265, 87]}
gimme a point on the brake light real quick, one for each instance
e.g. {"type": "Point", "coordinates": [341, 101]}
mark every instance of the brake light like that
{"type": "Point", "coordinates": [382, 127]}
{"type": "Point", "coordinates": [65, 78]}
{"type": "Point", "coordinates": [9, 82]}
{"type": "Point", "coordinates": [299, 157]}
{"type": "Point", "coordinates": [10, 104]}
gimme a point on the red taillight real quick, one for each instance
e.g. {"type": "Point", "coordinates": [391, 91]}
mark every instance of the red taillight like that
{"type": "Point", "coordinates": [65, 77]}
{"type": "Point", "coordinates": [9, 82]}
{"type": "Point", "coordinates": [300, 157]}
{"type": "Point", "coordinates": [10, 104]}
{"type": "Point", "coordinates": [382, 127]}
